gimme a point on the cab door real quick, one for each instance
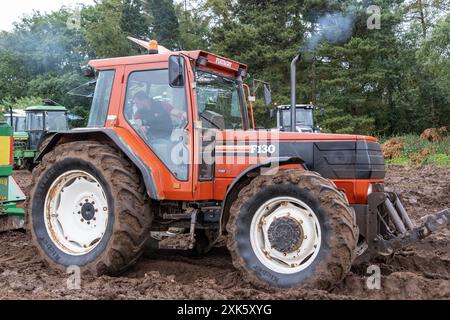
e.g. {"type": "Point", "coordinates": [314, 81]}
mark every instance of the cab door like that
{"type": "Point", "coordinates": [156, 122]}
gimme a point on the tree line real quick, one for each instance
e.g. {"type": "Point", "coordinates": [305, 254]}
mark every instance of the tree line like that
{"type": "Point", "coordinates": [389, 75]}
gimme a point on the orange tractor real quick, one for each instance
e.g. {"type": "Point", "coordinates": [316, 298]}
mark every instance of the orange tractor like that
{"type": "Point", "coordinates": [170, 157]}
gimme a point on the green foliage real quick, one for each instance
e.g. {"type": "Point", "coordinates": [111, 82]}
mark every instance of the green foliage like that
{"type": "Point", "coordinates": [348, 124]}
{"type": "Point", "coordinates": [83, 113]}
{"type": "Point", "coordinates": [20, 103]}
{"type": "Point", "coordinates": [103, 29]}
{"type": "Point", "coordinates": [194, 26]}
{"type": "Point", "coordinates": [391, 81]}
{"type": "Point", "coordinates": [134, 20]}
{"type": "Point", "coordinates": [12, 74]}
{"type": "Point", "coordinates": [165, 26]}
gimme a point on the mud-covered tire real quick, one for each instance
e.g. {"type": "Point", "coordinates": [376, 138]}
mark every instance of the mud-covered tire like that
{"type": "Point", "coordinates": [45, 141]}
{"type": "Point", "coordinates": [129, 212]}
{"type": "Point", "coordinates": [339, 232]}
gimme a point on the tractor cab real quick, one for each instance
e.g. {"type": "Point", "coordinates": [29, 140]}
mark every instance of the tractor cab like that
{"type": "Point", "coordinates": [44, 120]}
{"type": "Point", "coordinates": [304, 119]}
{"type": "Point", "coordinates": [16, 118]}
{"type": "Point", "coordinates": [32, 127]}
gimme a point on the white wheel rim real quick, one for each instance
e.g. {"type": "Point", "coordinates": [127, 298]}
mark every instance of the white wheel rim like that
{"type": "Point", "coordinates": [76, 212]}
{"type": "Point", "coordinates": [304, 246]}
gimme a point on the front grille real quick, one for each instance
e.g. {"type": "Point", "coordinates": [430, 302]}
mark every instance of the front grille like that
{"type": "Point", "coordinates": [20, 144]}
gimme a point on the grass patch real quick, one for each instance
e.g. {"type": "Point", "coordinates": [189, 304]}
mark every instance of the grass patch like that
{"type": "Point", "coordinates": [439, 159]}
{"type": "Point", "coordinates": [400, 161]}
{"type": "Point", "coordinates": [420, 151]}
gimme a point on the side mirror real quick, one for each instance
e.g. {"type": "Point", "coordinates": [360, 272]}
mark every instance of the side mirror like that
{"type": "Point", "coordinates": [176, 71]}
{"type": "Point", "coordinates": [322, 112]}
{"type": "Point", "coordinates": [272, 114]}
{"type": "Point", "coordinates": [267, 96]}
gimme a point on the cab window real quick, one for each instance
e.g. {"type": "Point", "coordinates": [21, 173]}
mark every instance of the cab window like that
{"type": "Point", "coordinates": [158, 114]}
{"type": "Point", "coordinates": [219, 102]}
{"type": "Point", "coordinates": [102, 95]}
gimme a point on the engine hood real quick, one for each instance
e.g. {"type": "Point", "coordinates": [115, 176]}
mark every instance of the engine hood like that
{"type": "Point", "coordinates": [334, 156]}
{"type": "Point", "coordinates": [275, 135]}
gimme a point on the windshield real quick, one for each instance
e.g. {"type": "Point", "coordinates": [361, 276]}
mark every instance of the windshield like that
{"type": "Point", "coordinates": [219, 102]}
{"type": "Point", "coordinates": [304, 117]}
{"type": "Point", "coordinates": [102, 95]}
{"type": "Point", "coordinates": [18, 123]}
{"type": "Point", "coordinates": [56, 121]}
{"type": "Point", "coordinates": [35, 121]}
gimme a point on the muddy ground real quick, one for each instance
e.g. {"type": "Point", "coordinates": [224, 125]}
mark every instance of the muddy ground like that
{"type": "Point", "coordinates": [423, 272]}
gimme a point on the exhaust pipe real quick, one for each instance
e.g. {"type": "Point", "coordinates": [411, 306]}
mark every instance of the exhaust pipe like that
{"type": "Point", "coordinates": [294, 92]}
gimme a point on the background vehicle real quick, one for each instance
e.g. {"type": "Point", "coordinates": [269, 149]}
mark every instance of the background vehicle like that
{"type": "Point", "coordinates": [305, 118]}
{"type": "Point", "coordinates": [297, 209]}
{"type": "Point", "coordinates": [32, 128]}
{"type": "Point", "coordinates": [16, 118]}
{"type": "Point", "coordinates": [305, 112]}
{"type": "Point", "coordinates": [11, 197]}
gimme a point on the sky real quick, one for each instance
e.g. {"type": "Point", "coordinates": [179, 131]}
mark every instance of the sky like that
{"type": "Point", "coordinates": [17, 8]}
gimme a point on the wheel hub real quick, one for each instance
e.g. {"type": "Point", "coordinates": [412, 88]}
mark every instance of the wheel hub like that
{"type": "Point", "coordinates": [88, 211]}
{"type": "Point", "coordinates": [76, 211]}
{"type": "Point", "coordinates": [285, 234]}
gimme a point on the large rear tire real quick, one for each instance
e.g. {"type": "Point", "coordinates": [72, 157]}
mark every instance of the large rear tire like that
{"type": "Point", "coordinates": [88, 208]}
{"type": "Point", "coordinates": [292, 230]}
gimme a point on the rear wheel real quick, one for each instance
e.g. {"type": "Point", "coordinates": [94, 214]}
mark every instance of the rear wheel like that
{"type": "Point", "coordinates": [293, 229]}
{"type": "Point", "coordinates": [88, 208]}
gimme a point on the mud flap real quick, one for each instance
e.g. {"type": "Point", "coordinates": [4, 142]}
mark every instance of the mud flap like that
{"type": "Point", "coordinates": [391, 228]}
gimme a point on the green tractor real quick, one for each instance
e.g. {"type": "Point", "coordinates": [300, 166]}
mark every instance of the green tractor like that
{"type": "Point", "coordinates": [32, 129]}
{"type": "Point", "coordinates": [12, 198]}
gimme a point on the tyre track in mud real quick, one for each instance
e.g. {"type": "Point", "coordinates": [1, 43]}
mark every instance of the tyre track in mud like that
{"type": "Point", "coordinates": [421, 272]}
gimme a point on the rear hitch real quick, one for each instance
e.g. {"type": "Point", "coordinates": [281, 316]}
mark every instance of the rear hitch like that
{"type": "Point", "coordinates": [390, 227]}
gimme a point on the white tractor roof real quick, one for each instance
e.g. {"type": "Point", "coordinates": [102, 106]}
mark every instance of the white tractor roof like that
{"type": "Point", "coordinates": [298, 106]}
{"type": "Point", "coordinates": [17, 113]}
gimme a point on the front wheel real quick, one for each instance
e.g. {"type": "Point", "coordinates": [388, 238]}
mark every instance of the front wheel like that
{"type": "Point", "coordinates": [89, 209]}
{"type": "Point", "coordinates": [293, 229]}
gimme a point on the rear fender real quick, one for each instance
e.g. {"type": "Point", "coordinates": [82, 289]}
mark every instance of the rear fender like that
{"type": "Point", "coordinates": [105, 135]}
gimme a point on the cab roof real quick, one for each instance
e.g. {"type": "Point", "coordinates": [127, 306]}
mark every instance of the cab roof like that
{"type": "Point", "coordinates": [16, 113]}
{"type": "Point", "coordinates": [201, 57]}
{"type": "Point", "coordinates": [298, 106]}
{"type": "Point", "coordinates": [46, 108]}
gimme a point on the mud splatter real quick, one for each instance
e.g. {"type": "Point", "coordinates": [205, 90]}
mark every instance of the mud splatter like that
{"type": "Point", "coordinates": [422, 272]}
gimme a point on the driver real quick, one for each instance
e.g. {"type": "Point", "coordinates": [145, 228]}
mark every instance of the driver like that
{"type": "Point", "coordinates": [153, 116]}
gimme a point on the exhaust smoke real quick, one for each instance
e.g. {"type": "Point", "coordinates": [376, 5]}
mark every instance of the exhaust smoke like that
{"type": "Point", "coordinates": [331, 27]}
